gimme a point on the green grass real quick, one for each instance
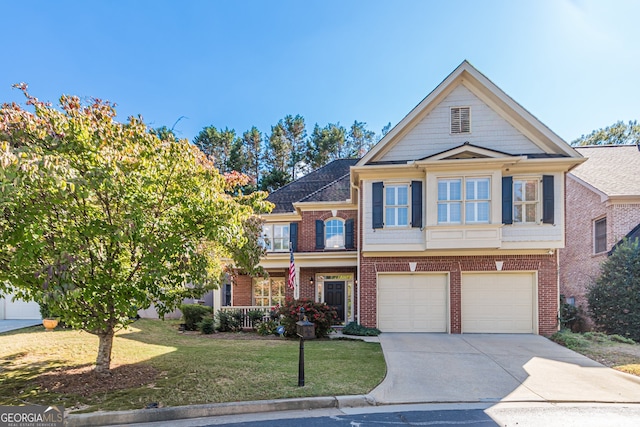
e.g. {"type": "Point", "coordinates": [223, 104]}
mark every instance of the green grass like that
{"type": "Point", "coordinates": [193, 369]}
{"type": "Point", "coordinates": [614, 351]}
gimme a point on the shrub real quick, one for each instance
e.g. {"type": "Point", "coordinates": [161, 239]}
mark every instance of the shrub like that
{"type": "Point", "coordinates": [354, 328]}
{"type": "Point", "coordinates": [207, 325]}
{"type": "Point", "coordinates": [568, 314]}
{"type": "Point", "coordinates": [268, 327]}
{"type": "Point", "coordinates": [320, 314]}
{"type": "Point", "coordinates": [614, 301]}
{"type": "Point", "coordinates": [255, 316]}
{"type": "Point", "coordinates": [569, 339]}
{"type": "Point", "coordinates": [623, 340]}
{"type": "Point", "coordinates": [229, 321]}
{"type": "Point", "coordinates": [192, 314]}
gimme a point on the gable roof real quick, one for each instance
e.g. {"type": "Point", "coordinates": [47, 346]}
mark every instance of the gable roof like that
{"type": "Point", "coordinates": [465, 74]}
{"type": "Point", "coordinates": [613, 170]}
{"type": "Point", "coordinates": [328, 183]}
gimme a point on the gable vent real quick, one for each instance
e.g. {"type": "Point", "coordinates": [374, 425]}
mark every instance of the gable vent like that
{"type": "Point", "coordinates": [460, 119]}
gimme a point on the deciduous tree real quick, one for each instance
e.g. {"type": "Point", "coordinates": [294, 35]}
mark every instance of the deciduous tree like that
{"type": "Point", "coordinates": [99, 218]}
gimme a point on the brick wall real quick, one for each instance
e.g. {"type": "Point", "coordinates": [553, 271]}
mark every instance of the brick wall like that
{"type": "Point", "coordinates": [243, 285]}
{"type": "Point", "coordinates": [307, 227]}
{"type": "Point", "coordinates": [579, 266]}
{"type": "Point", "coordinates": [545, 265]}
{"type": "Point", "coordinates": [241, 291]}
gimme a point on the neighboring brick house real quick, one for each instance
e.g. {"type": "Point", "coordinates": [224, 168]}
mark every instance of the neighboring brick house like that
{"type": "Point", "coordinates": [456, 216]}
{"type": "Point", "coordinates": [602, 207]}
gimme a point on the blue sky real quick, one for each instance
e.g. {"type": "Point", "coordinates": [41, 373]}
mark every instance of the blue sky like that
{"type": "Point", "coordinates": [573, 64]}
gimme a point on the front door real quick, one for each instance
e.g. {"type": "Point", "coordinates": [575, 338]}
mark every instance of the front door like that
{"type": "Point", "coordinates": [334, 297]}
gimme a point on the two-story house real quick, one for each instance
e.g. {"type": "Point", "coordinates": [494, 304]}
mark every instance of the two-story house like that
{"type": "Point", "coordinates": [451, 223]}
{"type": "Point", "coordinates": [603, 207]}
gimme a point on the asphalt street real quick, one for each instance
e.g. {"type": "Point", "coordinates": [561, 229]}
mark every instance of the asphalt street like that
{"type": "Point", "coordinates": [523, 414]}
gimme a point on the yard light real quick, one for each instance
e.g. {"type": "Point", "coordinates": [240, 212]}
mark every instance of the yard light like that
{"type": "Point", "coordinates": [305, 330]}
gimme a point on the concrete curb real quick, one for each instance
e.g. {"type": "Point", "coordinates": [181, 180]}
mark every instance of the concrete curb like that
{"type": "Point", "coordinates": [96, 419]}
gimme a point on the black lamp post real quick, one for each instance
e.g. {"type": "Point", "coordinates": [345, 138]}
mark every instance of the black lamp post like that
{"type": "Point", "coordinates": [305, 330]}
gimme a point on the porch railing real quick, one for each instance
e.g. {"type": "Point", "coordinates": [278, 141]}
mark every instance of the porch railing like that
{"type": "Point", "coordinates": [246, 322]}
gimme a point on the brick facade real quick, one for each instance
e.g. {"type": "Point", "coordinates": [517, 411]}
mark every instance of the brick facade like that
{"type": "Point", "coordinates": [579, 265]}
{"type": "Point", "coordinates": [307, 227]}
{"type": "Point", "coordinates": [545, 265]}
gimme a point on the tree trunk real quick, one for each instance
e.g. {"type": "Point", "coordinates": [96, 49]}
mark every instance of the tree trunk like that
{"type": "Point", "coordinates": [103, 361]}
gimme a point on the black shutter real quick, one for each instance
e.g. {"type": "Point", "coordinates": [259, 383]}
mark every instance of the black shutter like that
{"type": "Point", "coordinates": [377, 205]}
{"type": "Point", "coordinates": [319, 234]}
{"type": "Point", "coordinates": [547, 199]}
{"type": "Point", "coordinates": [349, 237]}
{"type": "Point", "coordinates": [293, 236]}
{"type": "Point", "coordinates": [416, 204]}
{"type": "Point", "coordinates": [507, 200]}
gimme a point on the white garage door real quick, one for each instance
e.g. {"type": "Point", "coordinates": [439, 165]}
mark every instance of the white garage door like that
{"type": "Point", "coordinates": [499, 303]}
{"type": "Point", "coordinates": [18, 309]}
{"type": "Point", "coordinates": [413, 302]}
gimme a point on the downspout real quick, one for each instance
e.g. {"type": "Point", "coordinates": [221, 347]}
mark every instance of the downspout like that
{"type": "Point", "coordinates": [358, 213]}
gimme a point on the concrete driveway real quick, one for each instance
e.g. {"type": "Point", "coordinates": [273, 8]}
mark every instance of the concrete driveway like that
{"type": "Point", "coordinates": [493, 368]}
{"type": "Point", "coordinates": [12, 325]}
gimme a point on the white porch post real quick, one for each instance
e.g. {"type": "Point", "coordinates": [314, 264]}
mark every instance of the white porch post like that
{"type": "Point", "coordinates": [296, 287]}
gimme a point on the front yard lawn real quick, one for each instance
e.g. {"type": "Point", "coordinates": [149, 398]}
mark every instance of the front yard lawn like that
{"type": "Point", "coordinates": [155, 364]}
{"type": "Point", "coordinates": [613, 351]}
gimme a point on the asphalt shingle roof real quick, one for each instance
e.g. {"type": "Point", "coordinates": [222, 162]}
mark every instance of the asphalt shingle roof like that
{"type": "Point", "coordinates": [612, 169]}
{"type": "Point", "coordinates": [329, 183]}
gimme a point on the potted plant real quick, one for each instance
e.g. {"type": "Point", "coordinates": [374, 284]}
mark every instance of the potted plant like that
{"type": "Point", "coordinates": [49, 319]}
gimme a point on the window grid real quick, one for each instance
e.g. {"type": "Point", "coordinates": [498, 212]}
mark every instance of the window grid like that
{"type": "Point", "coordinates": [477, 198]}
{"type": "Point", "coordinates": [525, 201]}
{"type": "Point", "coordinates": [449, 201]}
{"type": "Point", "coordinates": [268, 292]}
{"type": "Point", "coordinates": [334, 234]}
{"type": "Point", "coordinates": [396, 205]}
{"type": "Point", "coordinates": [275, 237]}
{"type": "Point", "coordinates": [473, 204]}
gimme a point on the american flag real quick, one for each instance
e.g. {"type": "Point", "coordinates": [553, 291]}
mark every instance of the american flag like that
{"type": "Point", "coordinates": [292, 269]}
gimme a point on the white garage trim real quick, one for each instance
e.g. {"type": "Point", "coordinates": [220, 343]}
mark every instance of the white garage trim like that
{"type": "Point", "coordinates": [413, 302]}
{"type": "Point", "coordinates": [499, 302]}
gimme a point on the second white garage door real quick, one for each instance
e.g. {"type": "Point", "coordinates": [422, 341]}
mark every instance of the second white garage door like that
{"type": "Point", "coordinates": [413, 302]}
{"type": "Point", "coordinates": [499, 303]}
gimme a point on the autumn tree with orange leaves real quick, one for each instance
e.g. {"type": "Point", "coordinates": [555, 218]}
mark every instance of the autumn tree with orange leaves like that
{"type": "Point", "coordinates": [99, 219]}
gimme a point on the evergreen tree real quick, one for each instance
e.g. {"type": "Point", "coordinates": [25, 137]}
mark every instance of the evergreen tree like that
{"type": "Point", "coordinates": [216, 144]}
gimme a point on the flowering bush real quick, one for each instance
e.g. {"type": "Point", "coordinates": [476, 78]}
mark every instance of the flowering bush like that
{"type": "Point", "coordinates": [318, 313]}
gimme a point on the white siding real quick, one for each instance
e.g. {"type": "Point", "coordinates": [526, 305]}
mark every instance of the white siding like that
{"type": "Point", "coordinates": [547, 233]}
{"type": "Point", "coordinates": [386, 238]}
{"type": "Point", "coordinates": [431, 135]}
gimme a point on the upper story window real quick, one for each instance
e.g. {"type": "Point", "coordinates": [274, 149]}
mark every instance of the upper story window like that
{"type": "Point", "coordinates": [600, 235]}
{"type": "Point", "coordinates": [528, 200]}
{"type": "Point", "coordinates": [525, 201]}
{"type": "Point", "coordinates": [468, 198]}
{"type": "Point", "coordinates": [396, 206]}
{"type": "Point", "coordinates": [460, 119]}
{"type": "Point", "coordinates": [334, 234]}
{"type": "Point", "coordinates": [275, 237]}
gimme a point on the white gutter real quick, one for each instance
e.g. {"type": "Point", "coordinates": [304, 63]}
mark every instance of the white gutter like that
{"type": "Point", "coordinates": [357, 189]}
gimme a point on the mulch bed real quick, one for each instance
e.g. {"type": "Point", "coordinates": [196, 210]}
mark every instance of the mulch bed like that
{"type": "Point", "coordinates": [84, 381]}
